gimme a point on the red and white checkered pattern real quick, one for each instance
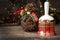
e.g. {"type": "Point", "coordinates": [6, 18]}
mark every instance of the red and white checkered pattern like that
{"type": "Point", "coordinates": [46, 28]}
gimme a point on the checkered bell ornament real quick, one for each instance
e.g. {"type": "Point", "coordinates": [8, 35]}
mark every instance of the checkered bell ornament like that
{"type": "Point", "coordinates": [46, 25]}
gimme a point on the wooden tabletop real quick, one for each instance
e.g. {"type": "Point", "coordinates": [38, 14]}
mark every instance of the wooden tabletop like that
{"type": "Point", "coordinates": [17, 32]}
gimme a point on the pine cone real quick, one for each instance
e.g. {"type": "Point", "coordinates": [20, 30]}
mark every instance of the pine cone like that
{"type": "Point", "coordinates": [29, 25]}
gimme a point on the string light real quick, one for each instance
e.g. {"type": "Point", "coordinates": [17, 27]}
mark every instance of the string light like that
{"type": "Point", "coordinates": [12, 7]}
{"type": "Point", "coordinates": [51, 14]}
{"type": "Point", "coordinates": [5, 8]}
{"type": "Point", "coordinates": [11, 3]}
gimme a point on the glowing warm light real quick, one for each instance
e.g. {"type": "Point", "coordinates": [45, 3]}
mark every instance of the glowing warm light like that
{"type": "Point", "coordinates": [41, 5]}
{"type": "Point", "coordinates": [54, 8]}
{"type": "Point", "coordinates": [52, 14]}
{"type": "Point", "coordinates": [51, 8]}
{"type": "Point", "coordinates": [42, 33]}
{"type": "Point", "coordinates": [28, 12]}
{"type": "Point", "coordinates": [5, 8]}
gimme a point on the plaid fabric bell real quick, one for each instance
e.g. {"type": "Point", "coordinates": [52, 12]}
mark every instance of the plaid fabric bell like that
{"type": "Point", "coordinates": [46, 28]}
